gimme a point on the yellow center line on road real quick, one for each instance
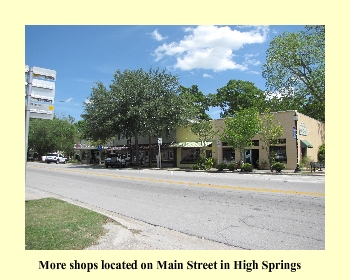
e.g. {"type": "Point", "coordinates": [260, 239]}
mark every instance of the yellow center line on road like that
{"type": "Point", "coordinates": [217, 186]}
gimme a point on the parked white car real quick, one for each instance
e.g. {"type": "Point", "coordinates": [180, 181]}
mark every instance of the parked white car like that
{"type": "Point", "coordinates": [55, 157]}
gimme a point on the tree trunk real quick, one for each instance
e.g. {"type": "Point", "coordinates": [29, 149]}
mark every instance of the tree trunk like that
{"type": "Point", "coordinates": [241, 161]}
{"type": "Point", "coordinates": [150, 151]}
{"type": "Point", "coordinates": [137, 150]}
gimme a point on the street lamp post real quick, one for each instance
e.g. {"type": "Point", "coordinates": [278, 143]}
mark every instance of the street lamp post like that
{"type": "Point", "coordinates": [297, 168]}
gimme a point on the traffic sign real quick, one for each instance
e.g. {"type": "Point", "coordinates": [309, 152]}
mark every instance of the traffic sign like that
{"type": "Point", "coordinates": [44, 73]}
{"type": "Point", "coordinates": [40, 92]}
{"type": "Point", "coordinates": [41, 111]}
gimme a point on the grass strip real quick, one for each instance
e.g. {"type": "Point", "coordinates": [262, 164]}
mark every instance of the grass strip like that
{"type": "Point", "coordinates": [52, 224]}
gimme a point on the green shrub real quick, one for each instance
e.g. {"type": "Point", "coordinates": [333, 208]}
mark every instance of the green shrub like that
{"type": "Point", "coordinates": [321, 155]}
{"type": "Point", "coordinates": [221, 166]}
{"type": "Point", "coordinates": [204, 164]}
{"type": "Point", "coordinates": [232, 166]}
{"type": "Point", "coordinates": [247, 167]}
{"type": "Point", "coordinates": [278, 166]}
{"type": "Point", "coordinates": [305, 162]}
{"type": "Point", "coordinates": [209, 163]}
{"type": "Point", "coordinates": [195, 166]}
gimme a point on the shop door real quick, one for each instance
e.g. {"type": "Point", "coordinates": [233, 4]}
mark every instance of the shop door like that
{"type": "Point", "coordinates": [255, 157]}
{"type": "Point", "coordinates": [248, 156]}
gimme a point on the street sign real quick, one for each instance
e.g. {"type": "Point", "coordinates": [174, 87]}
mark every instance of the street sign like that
{"type": "Point", "coordinates": [41, 111]}
{"type": "Point", "coordinates": [40, 93]}
{"type": "Point", "coordinates": [43, 90]}
{"type": "Point", "coordinates": [99, 147]}
{"type": "Point", "coordinates": [44, 73]}
{"type": "Point", "coordinates": [218, 144]}
{"type": "Point", "coordinates": [159, 141]}
{"type": "Point", "coordinates": [39, 96]}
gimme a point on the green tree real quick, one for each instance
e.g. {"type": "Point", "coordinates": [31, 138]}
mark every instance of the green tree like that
{"type": "Point", "coordinates": [138, 103]}
{"type": "Point", "coordinates": [239, 130]}
{"type": "Point", "coordinates": [98, 115]}
{"type": "Point", "coordinates": [321, 154]}
{"type": "Point", "coordinates": [238, 94]}
{"type": "Point", "coordinates": [270, 132]}
{"type": "Point", "coordinates": [199, 101]}
{"type": "Point", "coordinates": [295, 71]}
{"type": "Point", "coordinates": [58, 134]}
{"type": "Point", "coordinates": [205, 131]}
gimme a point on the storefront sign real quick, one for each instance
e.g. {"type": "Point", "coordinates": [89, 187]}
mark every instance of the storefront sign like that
{"type": "Point", "coordinates": [302, 130]}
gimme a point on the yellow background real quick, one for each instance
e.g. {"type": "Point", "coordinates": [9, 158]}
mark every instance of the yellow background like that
{"type": "Point", "coordinates": [16, 263]}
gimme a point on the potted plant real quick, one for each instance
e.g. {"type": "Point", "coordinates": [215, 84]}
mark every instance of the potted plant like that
{"type": "Point", "coordinates": [261, 163]}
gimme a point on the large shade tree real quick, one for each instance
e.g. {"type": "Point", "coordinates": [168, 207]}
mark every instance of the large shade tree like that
{"type": "Point", "coordinates": [58, 134]}
{"type": "Point", "coordinates": [199, 101]}
{"type": "Point", "coordinates": [238, 94]}
{"type": "Point", "coordinates": [137, 103]}
{"type": "Point", "coordinates": [295, 71]}
{"type": "Point", "coordinates": [239, 130]}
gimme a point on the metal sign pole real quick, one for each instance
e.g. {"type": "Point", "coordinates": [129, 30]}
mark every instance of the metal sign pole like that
{"type": "Point", "coordinates": [159, 156]}
{"type": "Point", "coordinates": [27, 110]}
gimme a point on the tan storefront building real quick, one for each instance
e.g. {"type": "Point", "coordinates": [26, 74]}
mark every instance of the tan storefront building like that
{"type": "Point", "coordinates": [309, 132]}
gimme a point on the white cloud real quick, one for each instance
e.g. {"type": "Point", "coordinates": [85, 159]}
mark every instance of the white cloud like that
{"type": "Point", "coordinates": [207, 76]}
{"type": "Point", "coordinates": [254, 72]}
{"type": "Point", "coordinates": [250, 60]}
{"type": "Point", "coordinates": [211, 47]}
{"type": "Point", "coordinates": [157, 36]}
{"type": "Point", "coordinates": [68, 100]}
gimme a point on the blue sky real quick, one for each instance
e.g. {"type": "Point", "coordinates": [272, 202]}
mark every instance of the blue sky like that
{"type": "Point", "coordinates": [206, 56]}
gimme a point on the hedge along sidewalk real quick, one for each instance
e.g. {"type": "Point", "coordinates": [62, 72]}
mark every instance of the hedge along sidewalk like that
{"type": "Point", "coordinates": [52, 224]}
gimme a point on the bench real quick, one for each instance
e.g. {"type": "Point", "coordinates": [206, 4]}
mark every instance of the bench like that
{"type": "Point", "coordinates": [319, 165]}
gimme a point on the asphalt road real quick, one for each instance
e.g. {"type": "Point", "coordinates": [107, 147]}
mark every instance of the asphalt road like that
{"type": "Point", "coordinates": [232, 210]}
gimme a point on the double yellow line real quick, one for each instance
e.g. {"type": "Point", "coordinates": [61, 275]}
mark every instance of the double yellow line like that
{"type": "Point", "coordinates": [236, 188]}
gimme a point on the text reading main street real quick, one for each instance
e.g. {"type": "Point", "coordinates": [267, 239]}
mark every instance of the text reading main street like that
{"type": "Point", "coordinates": [248, 266]}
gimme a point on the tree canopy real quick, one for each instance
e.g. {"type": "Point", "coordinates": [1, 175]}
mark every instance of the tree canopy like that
{"type": "Point", "coordinates": [239, 130]}
{"type": "Point", "coordinates": [199, 101]}
{"type": "Point", "coordinates": [238, 94]}
{"type": "Point", "coordinates": [137, 103]}
{"type": "Point", "coordinates": [270, 132]}
{"type": "Point", "coordinates": [295, 71]}
{"type": "Point", "coordinates": [58, 134]}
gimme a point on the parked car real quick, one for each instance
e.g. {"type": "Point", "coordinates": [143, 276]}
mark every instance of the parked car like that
{"type": "Point", "coordinates": [115, 160]}
{"type": "Point", "coordinates": [55, 157]}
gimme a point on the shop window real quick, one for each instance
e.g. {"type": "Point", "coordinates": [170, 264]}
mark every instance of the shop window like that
{"type": "Point", "coordinates": [279, 153]}
{"type": "Point", "coordinates": [208, 153]}
{"type": "Point", "coordinates": [189, 155]}
{"type": "Point", "coordinates": [255, 143]}
{"type": "Point", "coordinates": [228, 155]}
{"type": "Point", "coordinates": [282, 141]}
{"type": "Point", "coordinates": [168, 155]}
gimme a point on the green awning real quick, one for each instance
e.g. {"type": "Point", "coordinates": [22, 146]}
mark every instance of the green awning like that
{"type": "Point", "coordinates": [306, 144]}
{"type": "Point", "coordinates": [192, 144]}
